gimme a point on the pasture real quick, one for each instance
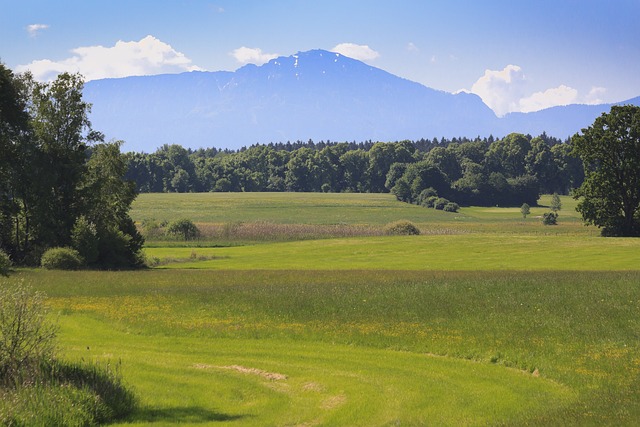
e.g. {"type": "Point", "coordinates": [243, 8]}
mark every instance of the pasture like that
{"type": "Point", "coordinates": [486, 318]}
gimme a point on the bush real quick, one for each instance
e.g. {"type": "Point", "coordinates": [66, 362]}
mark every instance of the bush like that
{"type": "Point", "coordinates": [402, 228]}
{"type": "Point", "coordinates": [440, 203]}
{"type": "Point", "coordinates": [451, 207]}
{"type": "Point", "coordinates": [427, 195]}
{"type": "Point", "coordinates": [550, 218]}
{"type": "Point", "coordinates": [5, 263]}
{"type": "Point", "coordinates": [184, 228]}
{"type": "Point", "coordinates": [26, 339]}
{"type": "Point", "coordinates": [61, 259]}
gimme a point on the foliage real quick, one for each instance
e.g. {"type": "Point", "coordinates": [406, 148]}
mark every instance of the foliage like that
{"type": "Point", "coordinates": [610, 151]}
{"type": "Point", "coordinates": [525, 210]}
{"type": "Point", "coordinates": [440, 203]}
{"type": "Point", "coordinates": [485, 172]}
{"type": "Point", "coordinates": [556, 203]}
{"type": "Point", "coordinates": [402, 228]}
{"type": "Point", "coordinates": [5, 263]}
{"type": "Point", "coordinates": [61, 186]}
{"type": "Point", "coordinates": [62, 259]}
{"type": "Point", "coordinates": [451, 207]}
{"type": "Point", "coordinates": [550, 218]}
{"type": "Point", "coordinates": [26, 337]}
{"type": "Point", "coordinates": [38, 389]}
{"type": "Point", "coordinates": [84, 238]}
{"type": "Point", "coordinates": [184, 228]}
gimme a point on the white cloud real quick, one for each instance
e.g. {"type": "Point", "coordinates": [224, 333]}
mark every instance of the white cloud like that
{"type": "Point", "coordinates": [359, 52]}
{"type": "Point", "coordinates": [505, 92]}
{"type": "Point", "coordinates": [501, 90]}
{"type": "Point", "coordinates": [145, 57]}
{"type": "Point", "coordinates": [34, 29]}
{"type": "Point", "coordinates": [411, 47]}
{"type": "Point", "coordinates": [247, 55]}
{"type": "Point", "coordinates": [595, 94]}
{"type": "Point", "coordinates": [561, 95]}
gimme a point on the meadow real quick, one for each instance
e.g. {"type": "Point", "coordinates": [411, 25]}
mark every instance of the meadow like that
{"type": "Point", "coordinates": [484, 319]}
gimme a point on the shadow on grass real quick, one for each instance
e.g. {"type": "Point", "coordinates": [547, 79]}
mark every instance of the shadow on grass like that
{"type": "Point", "coordinates": [182, 415]}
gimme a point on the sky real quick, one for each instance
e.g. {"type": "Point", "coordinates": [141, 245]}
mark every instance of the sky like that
{"type": "Point", "coordinates": [516, 55]}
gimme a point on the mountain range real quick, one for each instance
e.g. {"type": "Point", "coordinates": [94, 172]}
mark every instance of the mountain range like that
{"type": "Point", "coordinates": [316, 95]}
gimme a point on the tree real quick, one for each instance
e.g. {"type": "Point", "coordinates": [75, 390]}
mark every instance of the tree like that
{"type": "Point", "coordinates": [107, 199]}
{"type": "Point", "coordinates": [610, 151]}
{"type": "Point", "coordinates": [525, 210]}
{"type": "Point", "coordinates": [556, 203]}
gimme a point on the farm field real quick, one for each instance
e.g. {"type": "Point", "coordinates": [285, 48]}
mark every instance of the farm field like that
{"type": "Point", "coordinates": [485, 319]}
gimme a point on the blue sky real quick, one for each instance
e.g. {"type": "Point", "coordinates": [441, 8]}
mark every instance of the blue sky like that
{"type": "Point", "coordinates": [517, 55]}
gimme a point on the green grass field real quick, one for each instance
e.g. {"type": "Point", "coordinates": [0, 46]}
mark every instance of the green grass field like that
{"type": "Point", "coordinates": [495, 320]}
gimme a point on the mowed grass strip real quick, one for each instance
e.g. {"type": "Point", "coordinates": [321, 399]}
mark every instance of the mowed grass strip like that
{"type": "Point", "coordinates": [280, 382]}
{"type": "Point", "coordinates": [433, 252]}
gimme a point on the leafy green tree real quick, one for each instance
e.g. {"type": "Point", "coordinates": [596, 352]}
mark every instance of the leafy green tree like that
{"type": "Point", "coordinates": [525, 210]}
{"type": "Point", "coordinates": [508, 155]}
{"type": "Point", "coordinates": [107, 199]}
{"type": "Point", "coordinates": [556, 203]}
{"type": "Point", "coordinates": [610, 151]}
{"type": "Point", "coordinates": [62, 132]}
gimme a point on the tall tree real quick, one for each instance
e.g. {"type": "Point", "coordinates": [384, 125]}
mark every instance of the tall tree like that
{"type": "Point", "coordinates": [610, 150]}
{"type": "Point", "coordinates": [62, 132]}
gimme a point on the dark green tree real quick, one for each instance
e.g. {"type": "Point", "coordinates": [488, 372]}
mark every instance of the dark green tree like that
{"type": "Point", "coordinates": [107, 199]}
{"type": "Point", "coordinates": [610, 150]}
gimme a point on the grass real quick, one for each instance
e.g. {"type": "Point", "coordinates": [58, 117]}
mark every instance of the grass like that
{"type": "Point", "coordinates": [361, 347]}
{"type": "Point", "coordinates": [434, 252]}
{"type": "Point", "coordinates": [248, 218]}
{"type": "Point", "coordinates": [484, 319]}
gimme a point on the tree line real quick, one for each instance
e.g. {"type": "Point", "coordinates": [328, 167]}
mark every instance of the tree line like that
{"type": "Point", "coordinates": [505, 171]}
{"type": "Point", "coordinates": [61, 185]}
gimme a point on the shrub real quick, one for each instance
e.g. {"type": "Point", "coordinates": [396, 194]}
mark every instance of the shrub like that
{"type": "Point", "coordinates": [5, 263]}
{"type": "Point", "coordinates": [429, 202]}
{"type": "Point", "coordinates": [440, 203]}
{"type": "Point", "coordinates": [525, 210]}
{"type": "Point", "coordinates": [426, 195]}
{"type": "Point", "coordinates": [184, 228]}
{"type": "Point", "coordinates": [61, 259]}
{"type": "Point", "coordinates": [451, 207]}
{"type": "Point", "coordinates": [26, 339]}
{"type": "Point", "coordinates": [402, 228]}
{"type": "Point", "coordinates": [550, 218]}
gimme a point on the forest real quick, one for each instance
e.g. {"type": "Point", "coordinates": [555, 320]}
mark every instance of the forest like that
{"type": "Point", "coordinates": [505, 171]}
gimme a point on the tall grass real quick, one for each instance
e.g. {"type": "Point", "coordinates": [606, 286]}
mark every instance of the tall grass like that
{"type": "Point", "coordinates": [578, 329]}
{"type": "Point", "coordinates": [36, 387]}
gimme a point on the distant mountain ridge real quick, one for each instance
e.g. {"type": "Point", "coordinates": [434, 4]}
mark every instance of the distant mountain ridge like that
{"type": "Point", "coordinates": [316, 95]}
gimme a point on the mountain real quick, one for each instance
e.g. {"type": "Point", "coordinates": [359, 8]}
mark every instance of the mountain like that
{"type": "Point", "coordinates": [315, 95]}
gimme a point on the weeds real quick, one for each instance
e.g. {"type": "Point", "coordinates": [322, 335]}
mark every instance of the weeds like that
{"type": "Point", "coordinates": [38, 389]}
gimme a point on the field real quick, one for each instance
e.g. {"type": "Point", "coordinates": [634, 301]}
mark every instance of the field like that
{"type": "Point", "coordinates": [484, 319]}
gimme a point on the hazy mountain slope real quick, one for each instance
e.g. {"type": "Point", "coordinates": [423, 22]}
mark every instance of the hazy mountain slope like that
{"type": "Point", "coordinates": [315, 95]}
